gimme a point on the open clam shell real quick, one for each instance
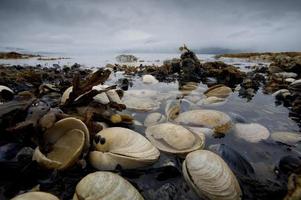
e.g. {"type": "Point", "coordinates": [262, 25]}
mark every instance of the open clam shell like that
{"type": "Point", "coordinates": [35, 196]}
{"type": "Point", "coordinates": [252, 132]}
{"type": "Point", "coordinates": [210, 176]}
{"type": "Point", "coordinates": [172, 138]}
{"type": "Point", "coordinates": [219, 121]}
{"type": "Point", "coordinates": [68, 140]}
{"type": "Point", "coordinates": [106, 186]}
{"type": "Point", "coordinates": [122, 147]}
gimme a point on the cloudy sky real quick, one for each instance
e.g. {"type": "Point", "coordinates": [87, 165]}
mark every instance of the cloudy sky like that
{"type": "Point", "coordinates": [116, 25]}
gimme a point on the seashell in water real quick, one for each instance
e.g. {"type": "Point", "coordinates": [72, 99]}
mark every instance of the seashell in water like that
{"type": "Point", "coordinates": [286, 137]}
{"type": "Point", "coordinates": [220, 91]}
{"type": "Point", "coordinates": [141, 104]}
{"type": "Point", "coordinates": [35, 196]}
{"type": "Point", "coordinates": [144, 93]}
{"type": "Point", "coordinates": [219, 121]}
{"type": "Point", "coordinates": [175, 107]}
{"type": "Point", "coordinates": [122, 147]}
{"type": "Point", "coordinates": [153, 119]}
{"type": "Point", "coordinates": [113, 96]}
{"type": "Point", "coordinates": [105, 185]}
{"type": "Point", "coordinates": [101, 98]}
{"type": "Point", "coordinates": [212, 101]}
{"type": "Point", "coordinates": [210, 176]}
{"type": "Point", "coordinates": [235, 161]}
{"type": "Point", "coordinates": [69, 138]}
{"type": "Point", "coordinates": [172, 138]}
{"type": "Point", "coordinates": [251, 132]}
{"type": "Point", "coordinates": [149, 79]}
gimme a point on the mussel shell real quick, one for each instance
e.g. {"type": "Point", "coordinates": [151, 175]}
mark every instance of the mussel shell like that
{"type": "Point", "coordinates": [210, 176]}
{"type": "Point", "coordinates": [105, 185]}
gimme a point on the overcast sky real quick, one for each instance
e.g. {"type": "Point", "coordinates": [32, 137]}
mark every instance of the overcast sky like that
{"type": "Point", "coordinates": [110, 25]}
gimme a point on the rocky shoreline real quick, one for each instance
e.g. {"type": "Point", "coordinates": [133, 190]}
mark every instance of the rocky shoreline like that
{"type": "Point", "coordinates": [44, 109]}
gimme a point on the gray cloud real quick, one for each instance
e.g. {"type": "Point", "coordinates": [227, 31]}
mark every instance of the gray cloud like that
{"type": "Point", "coordinates": [101, 25]}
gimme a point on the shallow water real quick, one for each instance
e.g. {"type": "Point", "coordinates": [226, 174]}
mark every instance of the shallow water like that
{"type": "Point", "coordinates": [164, 179]}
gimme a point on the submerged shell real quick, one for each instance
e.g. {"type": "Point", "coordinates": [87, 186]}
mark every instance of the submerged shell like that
{"type": "Point", "coordinates": [123, 147]}
{"type": "Point", "coordinates": [251, 132]}
{"type": "Point", "coordinates": [286, 137]}
{"type": "Point", "coordinates": [210, 176]}
{"type": "Point", "coordinates": [172, 138]}
{"type": "Point", "coordinates": [35, 196]}
{"type": "Point", "coordinates": [175, 107]}
{"type": "Point", "coordinates": [143, 93]}
{"type": "Point", "coordinates": [236, 162]}
{"type": "Point", "coordinates": [219, 121]}
{"type": "Point", "coordinates": [149, 79]}
{"type": "Point", "coordinates": [153, 119]}
{"type": "Point", "coordinates": [141, 104]}
{"type": "Point", "coordinates": [69, 138]}
{"type": "Point", "coordinates": [105, 186]}
{"type": "Point", "coordinates": [212, 101]}
{"type": "Point", "coordinates": [220, 91]}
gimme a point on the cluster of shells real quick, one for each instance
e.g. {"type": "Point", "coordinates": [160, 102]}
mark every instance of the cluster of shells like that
{"type": "Point", "coordinates": [181, 131]}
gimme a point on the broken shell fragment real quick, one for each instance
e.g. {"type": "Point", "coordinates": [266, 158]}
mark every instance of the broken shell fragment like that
{"type": "Point", "coordinates": [210, 176]}
{"type": "Point", "coordinates": [172, 138]}
{"type": "Point", "coordinates": [105, 185]}
{"type": "Point", "coordinates": [219, 121]}
{"type": "Point", "coordinates": [123, 147]}
{"type": "Point", "coordinates": [35, 196]}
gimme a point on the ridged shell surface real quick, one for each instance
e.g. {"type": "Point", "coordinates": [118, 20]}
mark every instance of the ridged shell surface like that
{"type": "Point", "coordinates": [105, 186]}
{"type": "Point", "coordinates": [123, 147]}
{"type": "Point", "coordinates": [172, 138]}
{"type": "Point", "coordinates": [35, 196]}
{"type": "Point", "coordinates": [210, 176]}
{"type": "Point", "coordinates": [219, 121]}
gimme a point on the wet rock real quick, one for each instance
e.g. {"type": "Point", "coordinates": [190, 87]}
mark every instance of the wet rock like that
{"type": "Point", "coordinates": [126, 58]}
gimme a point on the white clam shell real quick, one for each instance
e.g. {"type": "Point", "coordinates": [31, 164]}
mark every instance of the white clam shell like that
{"type": "Point", "coordinates": [143, 93]}
{"type": "Point", "coordinates": [252, 132]}
{"type": "Point", "coordinates": [286, 137]}
{"type": "Point", "coordinates": [69, 138]}
{"type": "Point", "coordinates": [210, 176]}
{"type": "Point", "coordinates": [212, 101]}
{"type": "Point", "coordinates": [3, 87]}
{"type": "Point", "coordinates": [105, 186]}
{"type": "Point", "coordinates": [35, 196]}
{"type": "Point", "coordinates": [219, 121]}
{"type": "Point", "coordinates": [141, 104]}
{"type": "Point", "coordinates": [122, 147]}
{"type": "Point", "coordinates": [102, 98]}
{"type": "Point", "coordinates": [172, 138]}
{"type": "Point", "coordinates": [149, 79]}
{"type": "Point", "coordinates": [65, 95]}
{"type": "Point", "coordinates": [113, 96]}
{"type": "Point", "coordinates": [154, 118]}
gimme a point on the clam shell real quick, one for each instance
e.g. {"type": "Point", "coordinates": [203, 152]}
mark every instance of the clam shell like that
{"type": "Point", "coordinates": [122, 147]}
{"type": "Point", "coordinates": [172, 138]}
{"type": "Point", "coordinates": [149, 79]}
{"type": "Point", "coordinates": [65, 125]}
{"type": "Point", "coordinates": [65, 151]}
{"type": "Point", "coordinates": [286, 137]}
{"type": "Point", "coordinates": [220, 91]}
{"type": "Point", "coordinates": [212, 101]}
{"type": "Point", "coordinates": [113, 96]}
{"type": "Point", "coordinates": [141, 104]}
{"type": "Point", "coordinates": [102, 98]}
{"type": "Point", "coordinates": [105, 186]}
{"type": "Point", "coordinates": [65, 95]}
{"type": "Point", "coordinates": [3, 87]}
{"type": "Point", "coordinates": [219, 121]}
{"type": "Point", "coordinates": [210, 176]}
{"type": "Point", "coordinates": [153, 119]}
{"type": "Point", "coordinates": [144, 93]}
{"type": "Point", "coordinates": [35, 196]}
{"type": "Point", "coordinates": [252, 132]}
